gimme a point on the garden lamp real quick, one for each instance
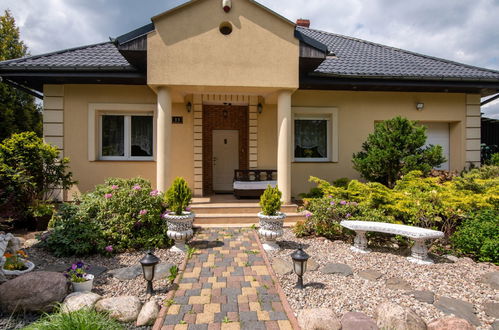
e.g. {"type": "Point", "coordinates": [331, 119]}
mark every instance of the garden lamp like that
{"type": "Point", "coordinates": [300, 258]}
{"type": "Point", "coordinates": [149, 263]}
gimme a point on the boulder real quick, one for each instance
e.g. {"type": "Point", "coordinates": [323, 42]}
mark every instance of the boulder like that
{"type": "Point", "coordinates": [14, 245]}
{"type": "Point", "coordinates": [282, 267]}
{"type": "Point", "coordinates": [459, 308]}
{"type": "Point", "coordinates": [357, 321]}
{"type": "Point", "coordinates": [395, 283]}
{"type": "Point", "coordinates": [148, 313]}
{"type": "Point", "coordinates": [122, 308]}
{"type": "Point", "coordinates": [341, 269]}
{"type": "Point", "coordinates": [2, 277]}
{"type": "Point", "coordinates": [394, 316]}
{"type": "Point", "coordinates": [30, 242]}
{"type": "Point", "coordinates": [34, 291]}
{"type": "Point", "coordinates": [78, 300]}
{"type": "Point", "coordinates": [318, 319]}
{"type": "Point", "coordinates": [491, 279]}
{"type": "Point", "coordinates": [370, 274]}
{"type": "Point", "coordinates": [423, 296]}
{"type": "Point", "coordinates": [450, 323]}
{"type": "Point", "coordinates": [492, 309]}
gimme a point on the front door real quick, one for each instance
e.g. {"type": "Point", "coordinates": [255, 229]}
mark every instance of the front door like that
{"type": "Point", "coordinates": [225, 158]}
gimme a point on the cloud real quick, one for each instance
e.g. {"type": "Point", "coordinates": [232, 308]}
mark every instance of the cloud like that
{"type": "Point", "coordinates": [491, 110]}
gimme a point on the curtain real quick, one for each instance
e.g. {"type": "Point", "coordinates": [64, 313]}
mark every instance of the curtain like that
{"type": "Point", "coordinates": [113, 136]}
{"type": "Point", "coordinates": [310, 138]}
{"type": "Point", "coordinates": [142, 136]}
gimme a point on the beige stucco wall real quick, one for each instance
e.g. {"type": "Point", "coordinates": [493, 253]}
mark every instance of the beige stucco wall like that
{"type": "Point", "coordinates": [89, 173]}
{"type": "Point", "coordinates": [187, 47]}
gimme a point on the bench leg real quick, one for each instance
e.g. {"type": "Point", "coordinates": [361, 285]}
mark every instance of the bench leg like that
{"type": "Point", "coordinates": [419, 253]}
{"type": "Point", "coordinates": [360, 242]}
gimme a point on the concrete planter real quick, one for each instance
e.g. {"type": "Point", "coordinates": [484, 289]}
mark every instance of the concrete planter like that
{"type": "Point", "coordinates": [84, 286]}
{"type": "Point", "coordinates": [30, 266]}
{"type": "Point", "coordinates": [271, 229]}
{"type": "Point", "coordinates": [180, 229]}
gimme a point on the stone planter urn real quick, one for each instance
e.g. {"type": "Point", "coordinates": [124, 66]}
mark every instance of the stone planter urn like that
{"type": "Point", "coordinates": [29, 267]}
{"type": "Point", "coordinates": [179, 229]}
{"type": "Point", "coordinates": [271, 229]}
{"type": "Point", "coordinates": [84, 286]}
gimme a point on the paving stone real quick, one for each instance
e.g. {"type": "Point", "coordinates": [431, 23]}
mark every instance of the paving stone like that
{"type": "Point", "coordinates": [58, 268]}
{"type": "Point", "coordinates": [162, 270]}
{"type": "Point", "coordinates": [276, 316]}
{"type": "Point", "coordinates": [282, 267]}
{"type": "Point", "coordinates": [495, 325]}
{"type": "Point", "coordinates": [491, 309]}
{"type": "Point", "coordinates": [491, 279]}
{"type": "Point", "coordinates": [312, 265]}
{"type": "Point", "coordinates": [253, 325]}
{"type": "Point", "coordinates": [126, 273]}
{"type": "Point", "coordinates": [334, 268]}
{"type": "Point", "coordinates": [370, 274]}
{"type": "Point", "coordinates": [248, 316]}
{"type": "Point", "coordinates": [395, 283]}
{"type": "Point", "coordinates": [457, 307]}
{"type": "Point", "coordinates": [423, 296]}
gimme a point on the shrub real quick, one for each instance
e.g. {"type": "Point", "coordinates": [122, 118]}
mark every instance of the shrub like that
{"type": "Point", "coordinates": [270, 201]}
{"type": "Point", "coordinates": [478, 236]}
{"type": "Point", "coordinates": [81, 319]}
{"type": "Point", "coordinates": [394, 149]}
{"type": "Point", "coordinates": [494, 160]}
{"type": "Point", "coordinates": [30, 170]}
{"type": "Point", "coordinates": [178, 196]}
{"type": "Point", "coordinates": [122, 213]}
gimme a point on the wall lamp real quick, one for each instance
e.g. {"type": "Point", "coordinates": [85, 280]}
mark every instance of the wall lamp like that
{"type": "Point", "coordinates": [188, 106]}
{"type": "Point", "coordinates": [419, 106]}
{"type": "Point", "coordinates": [259, 107]}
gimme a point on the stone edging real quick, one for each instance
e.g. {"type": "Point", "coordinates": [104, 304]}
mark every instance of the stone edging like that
{"type": "Point", "coordinates": [158, 324]}
{"type": "Point", "coordinates": [287, 308]}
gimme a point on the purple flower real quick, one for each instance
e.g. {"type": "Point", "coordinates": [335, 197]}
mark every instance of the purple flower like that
{"type": "Point", "coordinates": [332, 203]}
{"type": "Point", "coordinates": [330, 196]}
{"type": "Point", "coordinates": [107, 196]}
{"type": "Point", "coordinates": [143, 212]}
{"type": "Point", "coordinates": [73, 266]}
{"type": "Point", "coordinates": [188, 209]}
{"type": "Point", "coordinates": [308, 214]}
{"type": "Point", "coordinates": [109, 248]}
{"type": "Point", "coordinates": [154, 192]}
{"type": "Point", "coordinates": [79, 264]}
{"type": "Point", "coordinates": [136, 187]}
{"type": "Point", "coordinates": [343, 203]}
{"type": "Point", "coordinates": [114, 187]}
{"type": "Point", "coordinates": [348, 215]}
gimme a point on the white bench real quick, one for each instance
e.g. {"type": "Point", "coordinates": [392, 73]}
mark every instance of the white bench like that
{"type": "Point", "coordinates": [419, 251]}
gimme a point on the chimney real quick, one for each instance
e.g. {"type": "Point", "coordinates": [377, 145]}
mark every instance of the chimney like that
{"type": "Point", "coordinates": [303, 22]}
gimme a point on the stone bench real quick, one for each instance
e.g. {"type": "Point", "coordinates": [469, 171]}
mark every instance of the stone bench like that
{"type": "Point", "coordinates": [419, 251]}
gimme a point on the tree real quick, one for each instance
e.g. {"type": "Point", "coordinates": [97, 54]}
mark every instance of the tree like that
{"type": "Point", "coordinates": [18, 110]}
{"type": "Point", "coordinates": [394, 149]}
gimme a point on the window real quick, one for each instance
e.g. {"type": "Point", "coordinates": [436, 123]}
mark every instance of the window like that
{"type": "Point", "coordinates": [315, 135]}
{"type": "Point", "coordinates": [126, 137]}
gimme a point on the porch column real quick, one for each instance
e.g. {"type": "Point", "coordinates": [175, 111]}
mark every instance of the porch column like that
{"type": "Point", "coordinates": [163, 145]}
{"type": "Point", "coordinates": [284, 144]}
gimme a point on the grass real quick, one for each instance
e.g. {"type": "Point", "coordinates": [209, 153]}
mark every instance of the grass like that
{"type": "Point", "coordinates": [84, 319]}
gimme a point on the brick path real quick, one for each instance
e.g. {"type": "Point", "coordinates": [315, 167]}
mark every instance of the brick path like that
{"type": "Point", "coordinates": [226, 285]}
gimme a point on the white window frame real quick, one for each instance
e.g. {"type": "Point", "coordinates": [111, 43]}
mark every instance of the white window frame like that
{"type": "Point", "coordinates": [318, 113]}
{"type": "Point", "coordinates": [95, 113]}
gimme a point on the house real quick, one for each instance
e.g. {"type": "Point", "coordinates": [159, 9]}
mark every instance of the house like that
{"type": "Point", "coordinates": [212, 86]}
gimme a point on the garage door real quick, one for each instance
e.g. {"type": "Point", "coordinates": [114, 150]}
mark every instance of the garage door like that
{"type": "Point", "coordinates": [438, 134]}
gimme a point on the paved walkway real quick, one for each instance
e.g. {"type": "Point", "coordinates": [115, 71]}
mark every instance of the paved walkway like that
{"type": "Point", "coordinates": [226, 285]}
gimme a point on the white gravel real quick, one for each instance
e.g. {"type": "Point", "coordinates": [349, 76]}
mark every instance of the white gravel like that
{"type": "Point", "coordinates": [458, 280]}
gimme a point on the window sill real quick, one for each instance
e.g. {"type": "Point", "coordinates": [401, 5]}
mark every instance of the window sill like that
{"type": "Point", "coordinates": [314, 162]}
{"type": "Point", "coordinates": [124, 160]}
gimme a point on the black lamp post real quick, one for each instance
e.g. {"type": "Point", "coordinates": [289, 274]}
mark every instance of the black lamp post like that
{"type": "Point", "coordinates": [149, 263]}
{"type": "Point", "coordinates": [300, 258]}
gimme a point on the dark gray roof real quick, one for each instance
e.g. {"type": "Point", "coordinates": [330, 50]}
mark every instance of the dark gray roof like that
{"type": "Point", "coordinates": [98, 57]}
{"type": "Point", "coordinates": [363, 59]}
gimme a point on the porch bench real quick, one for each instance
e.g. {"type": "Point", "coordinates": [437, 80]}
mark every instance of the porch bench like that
{"type": "Point", "coordinates": [252, 183]}
{"type": "Point", "coordinates": [419, 251]}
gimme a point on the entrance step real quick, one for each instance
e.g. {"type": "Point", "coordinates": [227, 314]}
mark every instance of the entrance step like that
{"type": "Point", "coordinates": [240, 218]}
{"type": "Point", "coordinates": [235, 208]}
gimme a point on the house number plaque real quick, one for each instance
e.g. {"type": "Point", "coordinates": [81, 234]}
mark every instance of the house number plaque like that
{"type": "Point", "coordinates": [177, 120]}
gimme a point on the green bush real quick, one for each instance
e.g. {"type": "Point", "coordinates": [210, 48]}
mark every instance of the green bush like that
{"type": "Point", "coordinates": [494, 160]}
{"type": "Point", "coordinates": [83, 319]}
{"type": "Point", "coordinates": [395, 148]}
{"type": "Point", "coordinates": [30, 170]}
{"type": "Point", "coordinates": [478, 236]}
{"type": "Point", "coordinates": [270, 201]}
{"type": "Point", "coordinates": [178, 196]}
{"type": "Point", "coordinates": [122, 213]}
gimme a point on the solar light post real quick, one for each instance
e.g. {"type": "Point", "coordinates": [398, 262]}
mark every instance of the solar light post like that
{"type": "Point", "coordinates": [300, 258]}
{"type": "Point", "coordinates": [149, 263]}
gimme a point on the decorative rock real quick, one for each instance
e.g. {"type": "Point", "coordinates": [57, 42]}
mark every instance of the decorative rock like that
{"type": "Point", "coordinates": [423, 296]}
{"type": "Point", "coordinates": [97, 270]}
{"type": "Point", "coordinates": [459, 308]}
{"type": "Point", "coordinates": [492, 309]}
{"type": "Point", "coordinates": [148, 313]}
{"type": "Point", "coordinates": [397, 284]}
{"type": "Point", "coordinates": [14, 245]}
{"type": "Point", "coordinates": [491, 279]}
{"type": "Point", "coordinates": [35, 291]}
{"type": "Point", "coordinates": [357, 321]}
{"type": "Point", "coordinates": [370, 274]}
{"type": "Point", "coordinates": [30, 242]}
{"type": "Point", "coordinates": [282, 267]}
{"type": "Point", "coordinates": [318, 319]}
{"type": "Point", "coordinates": [450, 323]}
{"type": "Point", "coordinates": [393, 316]}
{"type": "Point", "coordinates": [312, 265]}
{"type": "Point", "coordinates": [333, 268]}
{"type": "Point", "coordinates": [126, 273]}
{"type": "Point", "coordinates": [452, 258]}
{"type": "Point", "coordinates": [162, 270]}
{"type": "Point", "coordinates": [78, 300]}
{"type": "Point", "coordinates": [122, 308]}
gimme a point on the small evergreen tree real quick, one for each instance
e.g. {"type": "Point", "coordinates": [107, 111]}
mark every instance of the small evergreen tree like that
{"type": "Point", "coordinates": [18, 110]}
{"type": "Point", "coordinates": [394, 149]}
{"type": "Point", "coordinates": [178, 196]}
{"type": "Point", "coordinates": [270, 201]}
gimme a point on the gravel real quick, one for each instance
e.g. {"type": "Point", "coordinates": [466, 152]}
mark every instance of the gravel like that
{"type": "Point", "coordinates": [460, 280]}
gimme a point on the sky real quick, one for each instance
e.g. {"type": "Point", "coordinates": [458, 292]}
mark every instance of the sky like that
{"type": "Point", "coordinates": [460, 30]}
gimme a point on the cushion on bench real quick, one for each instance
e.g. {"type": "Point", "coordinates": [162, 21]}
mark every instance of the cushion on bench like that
{"type": "Point", "coordinates": [253, 185]}
{"type": "Point", "coordinates": [392, 228]}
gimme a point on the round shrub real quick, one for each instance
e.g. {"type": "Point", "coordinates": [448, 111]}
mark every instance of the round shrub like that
{"type": "Point", "coordinates": [178, 196]}
{"type": "Point", "coordinates": [270, 201]}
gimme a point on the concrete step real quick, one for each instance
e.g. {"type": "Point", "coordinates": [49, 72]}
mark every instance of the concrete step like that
{"type": "Point", "coordinates": [239, 218]}
{"type": "Point", "coordinates": [235, 208]}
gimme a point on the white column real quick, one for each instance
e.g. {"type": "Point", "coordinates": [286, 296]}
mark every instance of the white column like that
{"type": "Point", "coordinates": [284, 144]}
{"type": "Point", "coordinates": [163, 144]}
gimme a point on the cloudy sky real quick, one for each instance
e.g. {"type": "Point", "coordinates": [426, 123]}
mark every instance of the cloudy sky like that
{"type": "Point", "coordinates": [461, 30]}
